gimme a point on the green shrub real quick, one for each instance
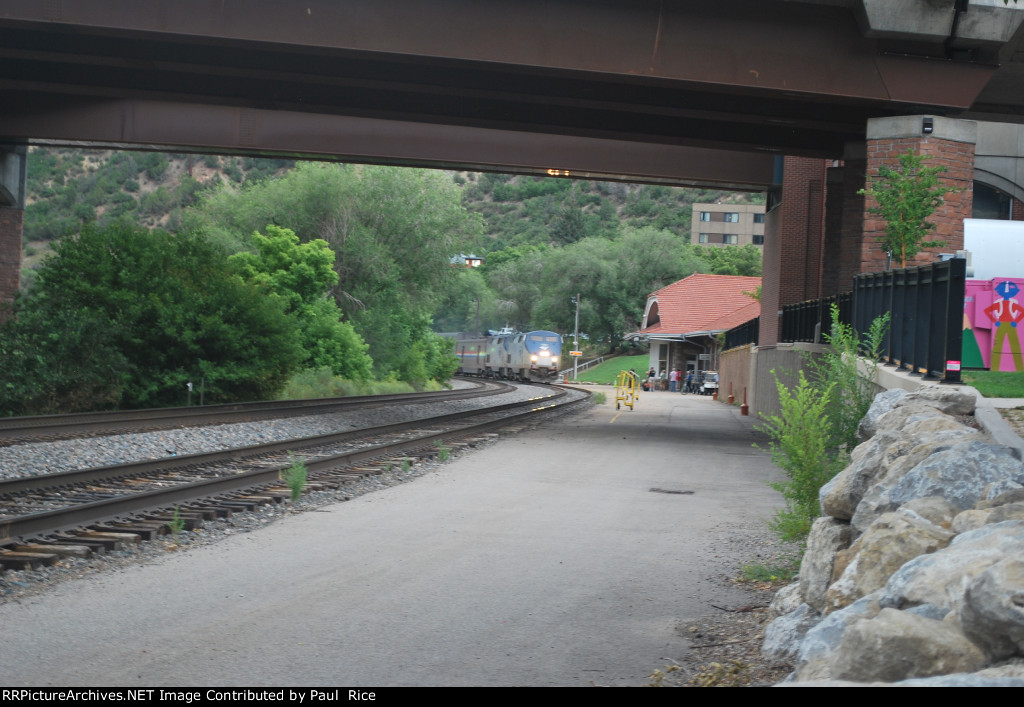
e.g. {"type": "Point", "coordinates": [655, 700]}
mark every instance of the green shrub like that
{"type": "Point", "coordinates": [296, 477]}
{"type": "Point", "coordinates": [835, 374]}
{"type": "Point", "coordinates": [799, 442]}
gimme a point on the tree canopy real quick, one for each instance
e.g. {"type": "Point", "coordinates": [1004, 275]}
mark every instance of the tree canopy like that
{"type": "Point", "coordinates": [126, 317]}
{"type": "Point", "coordinates": [393, 231]}
{"type": "Point", "coordinates": [905, 196]}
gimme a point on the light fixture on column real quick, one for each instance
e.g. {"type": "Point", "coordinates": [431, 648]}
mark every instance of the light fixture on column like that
{"type": "Point", "coordinates": [927, 126]}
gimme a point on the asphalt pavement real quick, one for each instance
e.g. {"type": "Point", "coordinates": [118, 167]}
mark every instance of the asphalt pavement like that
{"type": "Point", "coordinates": [573, 553]}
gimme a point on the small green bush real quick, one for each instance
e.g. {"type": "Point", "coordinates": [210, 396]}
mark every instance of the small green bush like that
{"type": "Point", "coordinates": [177, 523]}
{"type": "Point", "coordinates": [799, 441]}
{"type": "Point", "coordinates": [296, 477]}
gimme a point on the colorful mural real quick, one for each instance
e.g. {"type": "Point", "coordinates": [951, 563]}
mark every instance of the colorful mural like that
{"type": "Point", "coordinates": [992, 313]}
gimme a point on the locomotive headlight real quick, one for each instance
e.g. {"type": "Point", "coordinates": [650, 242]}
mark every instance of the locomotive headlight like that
{"type": "Point", "coordinates": [554, 359]}
{"type": "Point", "coordinates": [534, 358]}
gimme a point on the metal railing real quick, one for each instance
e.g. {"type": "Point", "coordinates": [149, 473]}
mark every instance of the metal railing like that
{"type": "Point", "coordinates": [744, 334]}
{"type": "Point", "coordinates": [925, 305]}
{"type": "Point", "coordinates": [804, 321]}
{"type": "Point", "coordinates": [583, 366]}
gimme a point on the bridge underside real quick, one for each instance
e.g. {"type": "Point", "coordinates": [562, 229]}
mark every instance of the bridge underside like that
{"type": "Point", "coordinates": [687, 93]}
{"type": "Point", "coordinates": [616, 88]}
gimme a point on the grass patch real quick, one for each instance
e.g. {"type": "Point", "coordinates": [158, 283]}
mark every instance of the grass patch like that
{"type": "Point", "coordinates": [320, 383]}
{"type": "Point", "coordinates": [759, 572]}
{"type": "Point", "coordinates": [599, 398]}
{"type": "Point", "coordinates": [996, 384]}
{"type": "Point", "coordinates": [605, 373]}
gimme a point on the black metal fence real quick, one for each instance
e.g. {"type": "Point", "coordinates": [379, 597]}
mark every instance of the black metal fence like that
{"type": "Point", "coordinates": [925, 304]}
{"type": "Point", "coordinates": [800, 322]}
{"type": "Point", "coordinates": [745, 333]}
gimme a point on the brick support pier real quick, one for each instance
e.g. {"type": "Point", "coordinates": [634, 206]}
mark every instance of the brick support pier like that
{"type": "Point", "coordinates": [10, 254]}
{"type": "Point", "coordinates": [794, 235]}
{"type": "Point", "coordinates": [950, 144]}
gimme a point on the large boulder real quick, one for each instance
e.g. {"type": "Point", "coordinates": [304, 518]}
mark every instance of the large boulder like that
{"type": "Point", "coordinates": [884, 402]}
{"type": "Point", "coordinates": [782, 636]}
{"type": "Point", "coordinates": [896, 645]}
{"type": "Point", "coordinates": [942, 577]}
{"type": "Point", "coordinates": [951, 401]}
{"type": "Point", "coordinates": [909, 434]}
{"type": "Point", "coordinates": [891, 541]}
{"type": "Point", "coordinates": [815, 656]}
{"type": "Point", "coordinates": [827, 537]}
{"type": "Point", "coordinates": [992, 611]}
{"type": "Point", "coordinates": [786, 600]}
{"type": "Point", "coordinates": [959, 473]}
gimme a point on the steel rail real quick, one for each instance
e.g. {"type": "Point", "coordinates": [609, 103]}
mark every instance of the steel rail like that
{"type": "Point", "coordinates": [141, 468]}
{"type": "Point", "coordinates": [35, 524]}
{"type": "Point", "coordinates": [55, 426]}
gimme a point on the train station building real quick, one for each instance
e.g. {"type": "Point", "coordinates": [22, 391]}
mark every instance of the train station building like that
{"type": "Point", "coordinates": [682, 321]}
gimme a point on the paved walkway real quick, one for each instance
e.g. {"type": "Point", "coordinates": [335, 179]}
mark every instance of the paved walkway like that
{"type": "Point", "coordinates": [552, 557]}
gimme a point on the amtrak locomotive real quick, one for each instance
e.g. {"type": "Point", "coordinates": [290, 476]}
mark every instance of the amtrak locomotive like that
{"type": "Point", "coordinates": [510, 354]}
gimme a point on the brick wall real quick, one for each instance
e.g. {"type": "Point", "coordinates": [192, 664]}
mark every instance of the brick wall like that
{"type": "Point", "coordinates": [10, 254]}
{"type": "Point", "coordinates": [794, 233]}
{"type": "Point", "coordinates": [833, 242]}
{"type": "Point", "coordinates": [958, 159]}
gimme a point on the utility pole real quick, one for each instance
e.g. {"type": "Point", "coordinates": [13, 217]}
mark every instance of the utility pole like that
{"type": "Point", "coordinates": [576, 340]}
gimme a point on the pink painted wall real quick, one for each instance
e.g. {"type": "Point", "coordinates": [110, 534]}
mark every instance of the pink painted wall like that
{"type": "Point", "coordinates": [980, 326]}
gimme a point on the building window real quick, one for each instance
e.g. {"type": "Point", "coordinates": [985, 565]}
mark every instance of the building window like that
{"type": "Point", "coordinates": [758, 240]}
{"type": "Point", "coordinates": [730, 239]}
{"type": "Point", "coordinates": [705, 215]}
{"type": "Point", "coordinates": [732, 217]}
{"type": "Point", "coordinates": [703, 238]}
{"type": "Point", "coordinates": [758, 218]}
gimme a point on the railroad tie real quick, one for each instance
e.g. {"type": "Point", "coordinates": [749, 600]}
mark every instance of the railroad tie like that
{"type": "Point", "coordinates": [26, 560]}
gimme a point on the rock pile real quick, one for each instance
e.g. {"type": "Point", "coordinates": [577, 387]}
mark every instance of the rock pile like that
{"type": "Point", "coordinates": [915, 573]}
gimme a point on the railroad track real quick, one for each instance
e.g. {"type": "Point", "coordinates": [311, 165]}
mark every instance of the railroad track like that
{"type": "Point", "coordinates": [46, 428]}
{"type": "Point", "coordinates": [45, 517]}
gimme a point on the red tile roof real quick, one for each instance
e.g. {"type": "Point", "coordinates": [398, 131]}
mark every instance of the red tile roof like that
{"type": "Point", "coordinates": [701, 303]}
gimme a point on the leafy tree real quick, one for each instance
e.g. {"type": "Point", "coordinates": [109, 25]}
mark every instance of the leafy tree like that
{"type": "Point", "coordinates": [302, 275]}
{"type": "Point", "coordinates": [905, 197]}
{"type": "Point", "coordinates": [469, 304]}
{"type": "Point", "coordinates": [732, 260]}
{"type": "Point", "coordinates": [393, 230]}
{"type": "Point", "coordinates": [162, 309]}
{"type": "Point", "coordinates": [614, 278]}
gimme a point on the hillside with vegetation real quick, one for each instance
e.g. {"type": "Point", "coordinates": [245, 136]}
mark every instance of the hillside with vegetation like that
{"type": "Point", "coordinates": [137, 265]}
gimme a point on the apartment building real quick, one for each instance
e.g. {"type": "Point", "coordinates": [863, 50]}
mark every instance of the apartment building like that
{"type": "Point", "coordinates": [727, 224]}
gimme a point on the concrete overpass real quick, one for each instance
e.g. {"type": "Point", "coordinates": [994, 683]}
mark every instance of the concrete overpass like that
{"type": "Point", "coordinates": [687, 93]}
{"type": "Point", "coordinates": [617, 88]}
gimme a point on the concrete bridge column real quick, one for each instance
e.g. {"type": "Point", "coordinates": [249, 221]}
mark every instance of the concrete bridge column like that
{"type": "Point", "coordinates": [793, 238]}
{"type": "Point", "coordinates": [13, 161]}
{"type": "Point", "coordinates": [949, 143]}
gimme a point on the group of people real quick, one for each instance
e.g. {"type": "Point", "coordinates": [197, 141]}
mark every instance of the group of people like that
{"type": "Point", "coordinates": [676, 379]}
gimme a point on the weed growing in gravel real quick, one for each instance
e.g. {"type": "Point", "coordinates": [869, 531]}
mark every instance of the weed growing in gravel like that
{"type": "Point", "coordinates": [177, 523]}
{"type": "Point", "coordinates": [406, 466]}
{"type": "Point", "coordinates": [735, 673]}
{"type": "Point", "coordinates": [760, 572]}
{"type": "Point", "coordinates": [657, 678]}
{"type": "Point", "coordinates": [443, 452]}
{"type": "Point", "coordinates": [599, 398]}
{"type": "Point", "coordinates": [295, 477]}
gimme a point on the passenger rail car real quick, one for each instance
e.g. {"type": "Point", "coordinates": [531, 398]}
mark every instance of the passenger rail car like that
{"type": "Point", "coordinates": [529, 356]}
